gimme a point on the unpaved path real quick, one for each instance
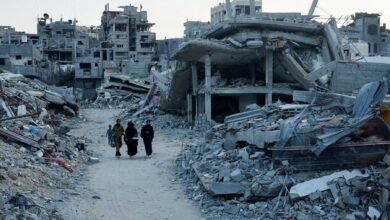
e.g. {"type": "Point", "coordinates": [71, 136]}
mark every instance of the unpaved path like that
{"type": "Point", "coordinates": [129, 188]}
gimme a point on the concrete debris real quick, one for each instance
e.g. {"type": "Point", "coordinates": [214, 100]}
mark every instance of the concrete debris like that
{"type": "Point", "coordinates": [36, 154]}
{"type": "Point", "coordinates": [267, 154]}
{"type": "Point", "coordinates": [373, 213]}
{"type": "Point", "coordinates": [320, 184]}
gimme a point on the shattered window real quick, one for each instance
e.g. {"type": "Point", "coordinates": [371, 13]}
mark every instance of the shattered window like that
{"type": "Point", "coordinates": [18, 57]}
{"type": "Point", "coordinates": [2, 61]}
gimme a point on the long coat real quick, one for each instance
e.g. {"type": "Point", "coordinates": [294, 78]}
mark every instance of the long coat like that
{"type": "Point", "coordinates": [131, 139]}
{"type": "Point", "coordinates": [118, 131]}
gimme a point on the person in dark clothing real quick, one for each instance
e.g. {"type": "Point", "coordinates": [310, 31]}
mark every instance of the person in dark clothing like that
{"type": "Point", "coordinates": [131, 139]}
{"type": "Point", "coordinates": [147, 135]}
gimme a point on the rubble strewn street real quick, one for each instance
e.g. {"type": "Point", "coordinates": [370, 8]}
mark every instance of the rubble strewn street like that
{"type": "Point", "coordinates": [250, 115]}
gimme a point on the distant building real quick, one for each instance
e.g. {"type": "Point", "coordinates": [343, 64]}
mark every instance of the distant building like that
{"type": "Point", "coordinates": [88, 77]}
{"type": "Point", "coordinates": [126, 38]}
{"type": "Point", "coordinates": [237, 8]}
{"type": "Point", "coordinates": [367, 27]}
{"type": "Point", "coordinates": [195, 29]}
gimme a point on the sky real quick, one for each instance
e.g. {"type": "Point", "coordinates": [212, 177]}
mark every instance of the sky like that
{"type": "Point", "coordinates": [169, 15]}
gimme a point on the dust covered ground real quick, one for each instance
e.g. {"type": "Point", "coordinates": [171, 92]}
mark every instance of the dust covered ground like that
{"type": "Point", "coordinates": [136, 188]}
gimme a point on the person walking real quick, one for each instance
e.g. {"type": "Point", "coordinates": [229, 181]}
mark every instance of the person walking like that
{"type": "Point", "coordinates": [147, 134]}
{"type": "Point", "coordinates": [110, 136]}
{"type": "Point", "coordinates": [131, 139]}
{"type": "Point", "coordinates": [118, 132]}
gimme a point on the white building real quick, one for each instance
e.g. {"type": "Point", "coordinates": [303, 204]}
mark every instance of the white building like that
{"type": "Point", "coordinates": [234, 8]}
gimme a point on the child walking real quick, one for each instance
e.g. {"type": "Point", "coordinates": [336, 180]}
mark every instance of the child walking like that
{"type": "Point", "coordinates": [110, 136]}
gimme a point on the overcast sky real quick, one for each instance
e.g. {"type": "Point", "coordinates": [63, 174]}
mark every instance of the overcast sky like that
{"type": "Point", "coordinates": [169, 15]}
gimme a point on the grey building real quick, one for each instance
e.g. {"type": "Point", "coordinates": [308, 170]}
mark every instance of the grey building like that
{"type": "Point", "coordinates": [367, 27]}
{"type": "Point", "coordinates": [126, 38]}
{"type": "Point", "coordinates": [195, 29]}
{"type": "Point", "coordinates": [88, 77]}
{"type": "Point", "coordinates": [19, 59]}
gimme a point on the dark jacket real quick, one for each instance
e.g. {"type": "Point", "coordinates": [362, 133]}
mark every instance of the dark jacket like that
{"type": "Point", "coordinates": [131, 134]}
{"type": "Point", "coordinates": [147, 133]}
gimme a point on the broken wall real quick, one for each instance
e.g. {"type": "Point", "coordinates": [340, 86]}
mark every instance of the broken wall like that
{"type": "Point", "coordinates": [350, 77]}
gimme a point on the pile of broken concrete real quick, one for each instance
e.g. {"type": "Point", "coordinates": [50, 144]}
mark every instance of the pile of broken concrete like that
{"type": "Point", "coordinates": [39, 162]}
{"type": "Point", "coordinates": [318, 158]}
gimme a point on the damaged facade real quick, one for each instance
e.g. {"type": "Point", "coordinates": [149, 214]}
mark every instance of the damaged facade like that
{"type": "Point", "coordinates": [262, 58]}
{"type": "Point", "coordinates": [127, 43]}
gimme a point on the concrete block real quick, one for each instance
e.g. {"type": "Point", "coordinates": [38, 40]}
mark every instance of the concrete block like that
{"type": "Point", "coordinates": [236, 175]}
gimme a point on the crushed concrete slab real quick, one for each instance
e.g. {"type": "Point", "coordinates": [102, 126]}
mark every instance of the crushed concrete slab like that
{"type": "Point", "coordinates": [321, 184]}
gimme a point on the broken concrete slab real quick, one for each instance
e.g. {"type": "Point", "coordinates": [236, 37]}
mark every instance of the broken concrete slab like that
{"type": "Point", "coordinates": [321, 184]}
{"type": "Point", "coordinates": [245, 116]}
{"type": "Point", "coordinates": [373, 213]}
{"type": "Point", "coordinates": [236, 175]}
{"type": "Point", "coordinates": [218, 188]}
{"type": "Point", "coordinates": [252, 137]}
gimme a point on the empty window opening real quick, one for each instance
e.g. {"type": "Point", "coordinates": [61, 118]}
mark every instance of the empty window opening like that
{"type": "Point", "coordinates": [85, 65]}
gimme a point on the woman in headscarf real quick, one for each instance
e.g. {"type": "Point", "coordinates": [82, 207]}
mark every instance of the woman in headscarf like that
{"type": "Point", "coordinates": [131, 139]}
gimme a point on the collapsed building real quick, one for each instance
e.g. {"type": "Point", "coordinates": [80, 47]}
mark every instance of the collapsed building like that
{"type": "Point", "coordinates": [284, 109]}
{"type": "Point", "coordinates": [366, 27]}
{"type": "Point", "coordinates": [261, 58]}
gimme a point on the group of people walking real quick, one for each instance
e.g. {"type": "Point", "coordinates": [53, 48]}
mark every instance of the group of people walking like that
{"type": "Point", "coordinates": [130, 136]}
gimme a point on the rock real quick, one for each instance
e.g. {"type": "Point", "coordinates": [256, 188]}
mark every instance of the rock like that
{"type": "Point", "coordinates": [316, 195]}
{"type": "Point", "coordinates": [244, 156]}
{"type": "Point", "coordinates": [13, 176]}
{"type": "Point", "coordinates": [20, 163]}
{"type": "Point", "coordinates": [350, 217]}
{"type": "Point", "coordinates": [219, 189]}
{"type": "Point", "coordinates": [236, 175]}
{"type": "Point", "coordinates": [223, 174]}
{"type": "Point", "coordinates": [93, 160]}
{"type": "Point", "coordinates": [353, 201]}
{"type": "Point", "coordinates": [373, 213]}
{"type": "Point", "coordinates": [20, 201]}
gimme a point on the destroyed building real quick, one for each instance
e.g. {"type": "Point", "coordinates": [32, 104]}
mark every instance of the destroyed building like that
{"type": "Point", "coordinates": [367, 27]}
{"type": "Point", "coordinates": [195, 29]}
{"type": "Point", "coordinates": [88, 76]}
{"type": "Point", "coordinates": [261, 58]}
{"type": "Point", "coordinates": [292, 110]}
{"type": "Point", "coordinates": [19, 52]}
{"type": "Point", "coordinates": [235, 8]}
{"type": "Point", "coordinates": [127, 42]}
{"type": "Point", "coordinates": [62, 43]}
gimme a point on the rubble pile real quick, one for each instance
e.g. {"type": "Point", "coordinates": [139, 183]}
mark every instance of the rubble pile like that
{"type": "Point", "coordinates": [288, 160]}
{"type": "Point", "coordinates": [160, 119]}
{"type": "Point", "coordinates": [114, 99]}
{"type": "Point", "coordinates": [25, 96]}
{"type": "Point", "coordinates": [39, 162]}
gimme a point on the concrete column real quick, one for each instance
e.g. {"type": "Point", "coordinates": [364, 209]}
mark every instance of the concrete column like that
{"type": "Point", "coordinates": [269, 72]}
{"type": "Point", "coordinates": [194, 79]}
{"type": "Point", "coordinates": [228, 9]}
{"type": "Point", "coordinates": [189, 108]}
{"type": "Point", "coordinates": [252, 7]}
{"type": "Point", "coordinates": [207, 66]}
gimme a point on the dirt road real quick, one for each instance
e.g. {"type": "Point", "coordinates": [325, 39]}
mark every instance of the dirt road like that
{"type": "Point", "coordinates": [128, 188]}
